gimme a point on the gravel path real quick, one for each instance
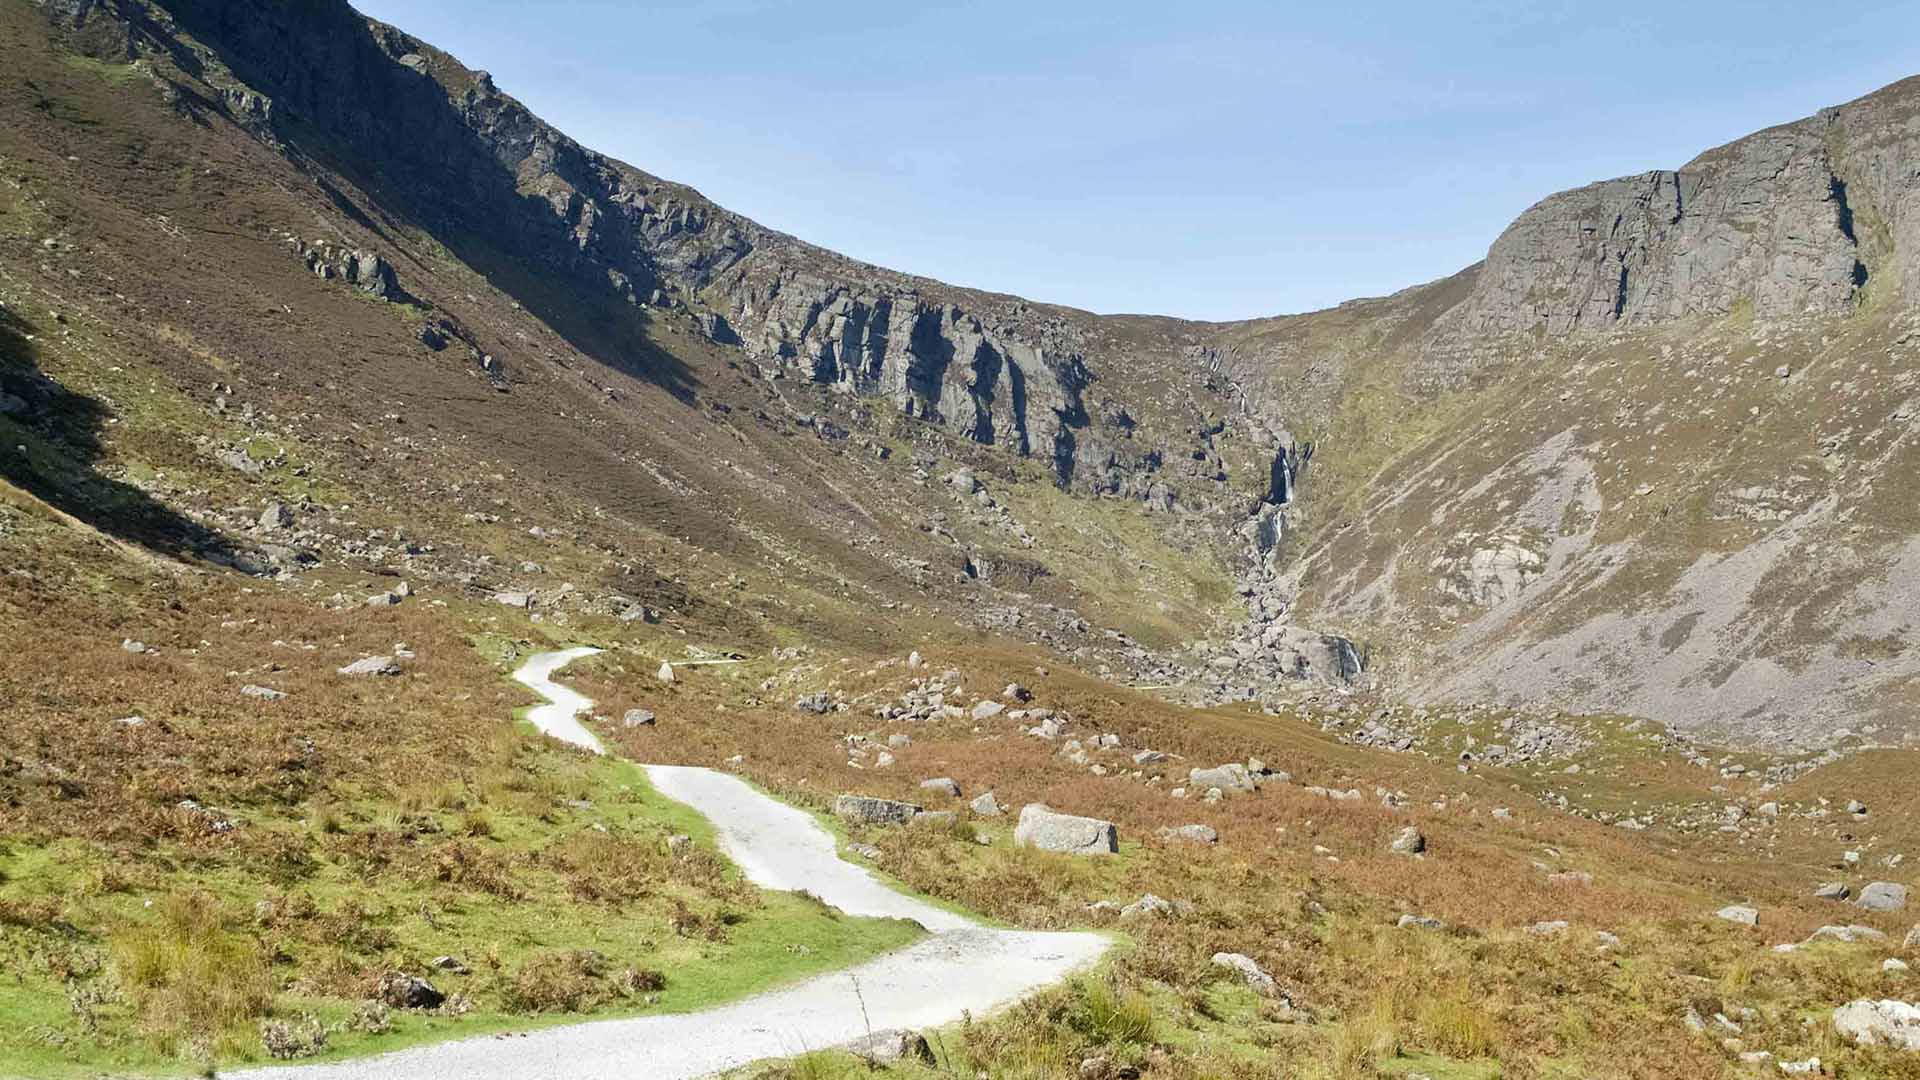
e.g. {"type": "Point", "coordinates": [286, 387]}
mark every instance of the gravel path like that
{"type": "Point", "coordinates": [961, 968]}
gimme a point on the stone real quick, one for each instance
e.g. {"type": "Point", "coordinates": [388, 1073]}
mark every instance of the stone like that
{"type": "Point", "coordinates": [372, 665]}
{"type": "Point", "coordinates": [1420, 922]}
{"type": "Point", "coordinates": [1232, 778]}
{"type": "Point", "coordinates": [137, 648]}
{"type": "Point", "coordinates": [514, 599]}
{"type": "Point", "coordinates": [987, 710]}
{"type": "Point", "coordinates": [1893, 965]}
{"type": "Point", "coordinates": [1045, 829]}
{"type": "Point", "coordinates": [945, 785]}
{"type": "Point", "coordinates": [1894, 1024]}
{"type": "Point", "coordinates": [934, 819]}
{"type": "Point", "coordinates": [1548, 928]}
{"type": "Point", "coordinates": [637, 718]}
{"type": "Point", "coordinates": [867, 810]}
{"type": "Point", "coordinates": [276, 516]}
{"type": "Point", "coordinates": [1197, 834]}
{"type": "Point", "coordinates": [1016, 692]}
{"type": "Point", "coordinates": [1833, 890]}
{"type": "Point", "coordinates": [1883, 896]}
{"type": "Point", "coordinates": [1250, 973]}
{"type": "Point", "coordinates": [1408, 841]}
{"type": "Point", "coordinates": [385, 599]}
{"type": "Point", "coordinates": [264, 693]}
{"type": "Point", "coordinates": [1148, 904]}
{"type": "Point", "coordinates": [1912, 940]}
{"type": "Point", "coordinates": [817, 703]}
{"type": "Point", "coordinates": [1847, 934]}
{"type": "Point", "coordinates": [665, 674]}
{"type": "Point", "coordinates": [403, 991]}
{"type": "Point", "coordinates": [892, 1047]}
{"type": "Point", "coordinates": [451, 964]}
{"type": "Point", "coordinates": [1741, 914]}
{"type": "Point", "coordinates": [986, 805]}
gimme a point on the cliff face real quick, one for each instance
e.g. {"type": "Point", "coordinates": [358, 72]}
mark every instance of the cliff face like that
{"type": "Point", "coordinates": [1795, 220]}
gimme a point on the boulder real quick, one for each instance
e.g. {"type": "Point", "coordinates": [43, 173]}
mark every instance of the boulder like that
{"type": "Point", "coordinates": [1420, 922]}
{"type": "Point", "coordinates": [890, 1047]}
{"type": "Point", "coordinates": [1833, 890]}
{"type": "Point", "coordinates": [987, 710]}
{"type": "Point", "coordinates": [403, 991]}
{"type": "Point", "coordinates": [637, 718]}
{"type": "Point", "coordinates": [867, 810]}
{"type": "Point", "coordinates": [1408, 841]}
{"type": "Point", "coordinates": [1228, 778]}
{"type": "Point", "coordinates": [264, 693]}
{"type": "Point", "coordinates": [1198, 834]}
{"type": "Point", "coordinates": [1740, 913]}
{"type": "Point", "coordinates": [1885, 1022]}
{"type": "Point", "coordinates": [818, 703]}
{"type": "Point", "coordinates": [665, 674]}
{"type": "Point", "coordinates": [1042, 828]}
{"type": "Point", "coordinates": [1250, 973]}
{"type": "Point", "coordinates": [276, 516]}
{"type": "Point", "coordinates": [986, 805]}
{"type": "Point", "coordinates": [1148, 904]}
{"type": "Point", "coordinates": [1848, 934]}
{"type": "Point", "coordinates": [1883, 896]}
{"type": "Point", "coordinates": [943, 784]}
{"type": "Point", "coordinates": [514, 599]}
{"type": "Point", "coordinates": [372, 665]}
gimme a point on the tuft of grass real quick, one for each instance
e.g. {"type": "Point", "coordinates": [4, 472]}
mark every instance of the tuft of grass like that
{"type": "Point", "coordinates": [192, 980]}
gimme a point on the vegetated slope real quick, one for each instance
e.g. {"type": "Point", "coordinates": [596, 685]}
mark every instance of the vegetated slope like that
{"type": "Point", "coordinates": [1571, 473]}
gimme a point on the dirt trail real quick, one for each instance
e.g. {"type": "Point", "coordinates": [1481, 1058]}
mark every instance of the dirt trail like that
{"type": "Point", "coordinates": [962, 967]}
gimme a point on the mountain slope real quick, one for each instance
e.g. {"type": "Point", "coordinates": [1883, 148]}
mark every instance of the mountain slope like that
{"type": "Point", "coordinates": [1551, 365]}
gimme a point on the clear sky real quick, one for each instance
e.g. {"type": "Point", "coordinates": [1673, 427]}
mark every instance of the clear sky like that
{"type": "Point", "coordinates": [1213, 160]}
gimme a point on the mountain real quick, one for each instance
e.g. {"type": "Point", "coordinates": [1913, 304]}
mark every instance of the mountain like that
{"type": "Point", "coordinates": [1645, 458]}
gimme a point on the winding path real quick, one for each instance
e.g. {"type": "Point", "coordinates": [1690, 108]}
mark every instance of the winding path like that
{"type": "Point", "coordinates": [962, 967]}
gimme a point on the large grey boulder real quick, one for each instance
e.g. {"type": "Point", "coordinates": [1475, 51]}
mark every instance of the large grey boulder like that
{"type": "Point", "coordinates": [1043, 828]}
{"type": "Point", "coordinates": [986, 805]}
{"type": "Point", "coordinates": [1883, 896]}
{"type": "Point", "coordinates": [1741, 914]}
{"type": "Point", "coordinates": [867, 810]}
{"type": "Point", "coordinates": [1885, 1022]}
{"type": "Point", "coordinates": [1408, 841]}
{"type": "Point", "coordinates": [1228, 778]}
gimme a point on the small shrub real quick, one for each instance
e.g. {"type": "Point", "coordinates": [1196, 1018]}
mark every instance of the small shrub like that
{"type": "Point", "coordinates": [302, 1036]}
{"type": "Point", "coordinates": [1110, 1016]}
{"type": "Point", "coordinates": [559, 982]}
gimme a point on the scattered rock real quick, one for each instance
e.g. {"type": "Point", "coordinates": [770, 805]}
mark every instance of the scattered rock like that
{"type": "Point", "coordinates": [403, 991]}
{"type": "Point", "coordinates": [665, 674]}
{"type": "Point", "coordinates": [1879, 1023]}
{"type": "Point", "coordinates": [868, 810]}
{"type": "Point", "coordinates": [987, 710]}
{"type": "Point", "coordinates": [1408, 841]}
{"type": "Point", "coordinates": [372, 665]}
{"type": "Point", "coordinates": [1883, 896]}
{"type": "Point", "coordinates": [1848, 934]}
{"type": "Point", "coordinates": [1044, 829]}
{"type": "Point", "coordinates": [514, 599]}
{"type": "Point", "coordinates": [945, 785]}
{"type": "Point", "coordinates": [1833, 890]}
{"type": "Point", "coordinates": [891, 1047]}
{"type": "Point", "coordinates": [1740, 913]}
{"type": "Point", "coordinates": [817, 703]}
{"type": "Point", "coordinates": [1148, 904]}
{"type": "Point", "coordinates": [1420, 922]}
{"type": "Point", "coordinates": [452, 965]}
{"type": "Point", "coordinates": [1232, 778]}
{"type": "Point", "coordinates": [986, 805]}
{"type": "Point", "coordinates": [1198, 834]}
{"type": "Point", "coordinates": [264, 693]}
{"type": "Point", "coordinates": [637, 718]}
{"type": "Point", "coordinates": [1250, 973]}
{"type": "Point", "coordinates": [276, 516]}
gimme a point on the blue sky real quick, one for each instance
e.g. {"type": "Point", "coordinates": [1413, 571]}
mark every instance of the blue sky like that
{"type": "Point", "coordinates": [1211, 160]}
